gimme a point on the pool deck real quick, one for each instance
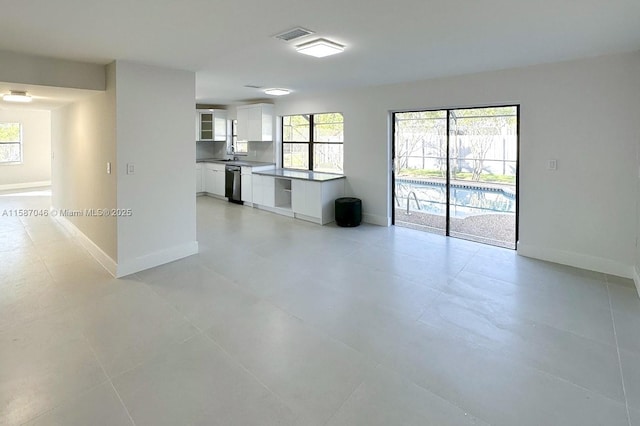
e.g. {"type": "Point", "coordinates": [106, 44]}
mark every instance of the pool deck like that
{"type": "Point", "coordinates": [494, 229]}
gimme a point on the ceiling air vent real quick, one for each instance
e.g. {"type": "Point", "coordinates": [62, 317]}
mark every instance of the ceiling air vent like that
{"type": "Point", "coordinates": [293, 34]}
{"type": "Point", "coordinates": [252, 86]}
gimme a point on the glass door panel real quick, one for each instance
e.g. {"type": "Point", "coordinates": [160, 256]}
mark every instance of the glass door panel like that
{"type": "Point", "coordinates": [420, 190]}
{"type": "Point", "coordinates": [482, 174]}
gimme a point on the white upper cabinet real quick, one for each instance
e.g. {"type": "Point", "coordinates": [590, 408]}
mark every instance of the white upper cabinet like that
{"type": "Point", "coordinates": [242, 126]}
{"type": "Point", "coordinates": [255, 122]}
{"type": "Point", "coordinates": [211, 125]}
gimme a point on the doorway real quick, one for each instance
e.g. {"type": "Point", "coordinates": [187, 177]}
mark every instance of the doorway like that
{"type": "Point", "coordinates": [455, 172]}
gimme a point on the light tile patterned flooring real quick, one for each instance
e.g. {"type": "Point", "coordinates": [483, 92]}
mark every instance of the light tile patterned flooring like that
{"type": "Point", "coordinates": [281, 322]}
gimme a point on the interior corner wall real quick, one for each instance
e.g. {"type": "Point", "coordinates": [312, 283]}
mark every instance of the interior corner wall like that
{"type": "Point", "coordinates": [155, 116]}
{"type": "Point", "coordinates": [36, 148]}
{"type": "Point", "coordinates": [83, 138]}
{"type": "Point", "coordinates": [636, 269]}
{"type": "Point", "coordinates": [583, 113]}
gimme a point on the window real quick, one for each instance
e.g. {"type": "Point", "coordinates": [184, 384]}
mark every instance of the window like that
{"type": "Point", "coordinates": [313, 142]}
{"type": "Point", "coordinates": [237, 147]}
{"type": "Point", "coordinates": [10, 143]}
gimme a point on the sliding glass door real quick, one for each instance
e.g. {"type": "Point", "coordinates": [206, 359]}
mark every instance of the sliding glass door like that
{"type": "Point", "coordinates": [455, 172]}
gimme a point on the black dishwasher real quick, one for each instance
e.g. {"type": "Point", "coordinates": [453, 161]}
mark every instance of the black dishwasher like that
{"type": "Point", "coordinates": [232, 184]}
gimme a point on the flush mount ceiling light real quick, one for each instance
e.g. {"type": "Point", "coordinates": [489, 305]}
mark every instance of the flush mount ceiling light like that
{"type": "Point", "coordinates": [16, 96]}
{"type": "Point", "coordinates": [277, 92]}
{"type": "Point", "coordinates": [320, 48]}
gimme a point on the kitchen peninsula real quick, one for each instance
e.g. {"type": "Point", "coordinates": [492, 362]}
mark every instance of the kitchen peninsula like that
{"type": "Point", "coordinates": [302, 194]}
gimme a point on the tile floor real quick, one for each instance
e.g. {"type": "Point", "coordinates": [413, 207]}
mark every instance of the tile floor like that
{"type": "Point", "coordinates": [281, 322]}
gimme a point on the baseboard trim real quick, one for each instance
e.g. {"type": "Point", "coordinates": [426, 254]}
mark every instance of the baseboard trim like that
{"type": "Point", "coordinates": [578, 260]}
{"type": "Point", "coordinates": [276, 210]}
{"type": "Point", "coordinates": [310, 219]}
{"type": "Point", "coordinates": [96, 252]}
{"type": "Point", "coordinates": [636, 279]}
{"type": "Point", "coordinates": [374, 219]}
{"type": "Point", "coordinates": [26, 185]}
{"type": "Point", "coordinates": [156, 258]}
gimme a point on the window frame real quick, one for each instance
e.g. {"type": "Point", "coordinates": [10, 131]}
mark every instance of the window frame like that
{"type": "Point", "coordinates": [311, 142]}
{"type": "Point", "coordinates": [18, 142]}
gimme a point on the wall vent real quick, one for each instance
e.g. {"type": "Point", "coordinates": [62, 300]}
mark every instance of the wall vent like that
{"type": "Point", "coordinates": [252, 86]}
{"type": "Point", "coordinates": [293, 34]}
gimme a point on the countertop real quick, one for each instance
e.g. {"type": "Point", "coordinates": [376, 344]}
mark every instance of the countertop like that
{"type": "Point", "coordinates": [299, 174]}
{"type": "Point", "coordinates": [235, 162]}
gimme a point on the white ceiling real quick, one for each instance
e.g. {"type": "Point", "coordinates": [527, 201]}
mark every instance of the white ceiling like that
{"type": "Point", "coordinates": [229, 44]}
{"type": "Point", "coordinates": [43, 97]}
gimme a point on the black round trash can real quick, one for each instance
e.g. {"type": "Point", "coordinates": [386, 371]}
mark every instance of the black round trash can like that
{"type": "Point", "coordinates": [348, 211]}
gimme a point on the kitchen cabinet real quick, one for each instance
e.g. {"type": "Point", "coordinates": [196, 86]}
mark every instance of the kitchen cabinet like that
{"type": "Point", "coordinates": [305, 198]}
{"type": "Point", "coordinates": [246, 182]}
{"type": "Point", "coordinates": [214, 178]}
{"type": "Point", "coordinates": [263, 190]}
{"type": "Point", "coordinates": [209, 180]}
{"type": "Point", "coordinates": [198, 178]}
{"type": "Point", "coordinates": [315, 201]}
{"type": "Point", "coordinates": [211, 125]}
{"type": "Point", "coordinates": [242, 126]}
{"type": "Point", "coordinates": [255, 122]}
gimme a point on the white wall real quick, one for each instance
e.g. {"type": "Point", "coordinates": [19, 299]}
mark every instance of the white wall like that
{"type": "Point", "coordinates": [29, 69]}
{"type": "Point", "coordinates": [144, 118]}
{"type": "Point", "coordinates": [155, 119]}
{"type": "Point", "coordinates": [84, 140]}
{"type": "Point", "coordinates": [582, 113]}
{"type": "Point", "coordinates": [36, 148]}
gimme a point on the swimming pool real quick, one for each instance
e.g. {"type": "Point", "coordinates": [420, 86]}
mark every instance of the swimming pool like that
{"type": "Point", "coordinates": [467, 198]}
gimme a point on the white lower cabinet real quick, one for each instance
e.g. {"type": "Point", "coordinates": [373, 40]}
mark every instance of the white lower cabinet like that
{"type": "Point", "coordinates": [305, 197]}
{"type": "Point", "coordinates": [219, 183]}
{"type": "Point", "coordinates": [208, 180]}
{"type": "Point", "coordinates": [263, 190]}
{"type": "Point", "coordinates": [246, 185]}
{"type": "Point", "coordinates": [214, 179]}
{"type": "Point", "coordinates": [315, 201]}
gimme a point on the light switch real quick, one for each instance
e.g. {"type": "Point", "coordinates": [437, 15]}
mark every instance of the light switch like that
{"type": "Point", "coordinates": [552, 165]}
{"type": "Point", "coordinates": [130, 169]}
{"type": "Point", "coordinates": [108, 167]}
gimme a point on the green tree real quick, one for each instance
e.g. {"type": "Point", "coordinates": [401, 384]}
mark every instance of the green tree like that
{"type": "Point", "coordinates": [9, 132]}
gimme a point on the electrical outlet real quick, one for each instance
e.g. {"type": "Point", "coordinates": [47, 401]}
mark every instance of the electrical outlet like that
{"type": "Point", "coordinates": [108, 167]}
{"type": "Point", "coordinates": [130, 169]}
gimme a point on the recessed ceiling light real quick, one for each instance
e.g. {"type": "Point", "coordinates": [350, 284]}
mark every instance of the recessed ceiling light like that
{"type": "Point", "coordinates": [277, 92]}
{"type": "Point", "coordinates": [320, 48]}
{"type": "Point", "coordinates": [16, 96]}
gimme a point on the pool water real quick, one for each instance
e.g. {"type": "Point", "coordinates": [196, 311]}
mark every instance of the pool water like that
{"type": "Point", "coordinates": [465, 201]}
